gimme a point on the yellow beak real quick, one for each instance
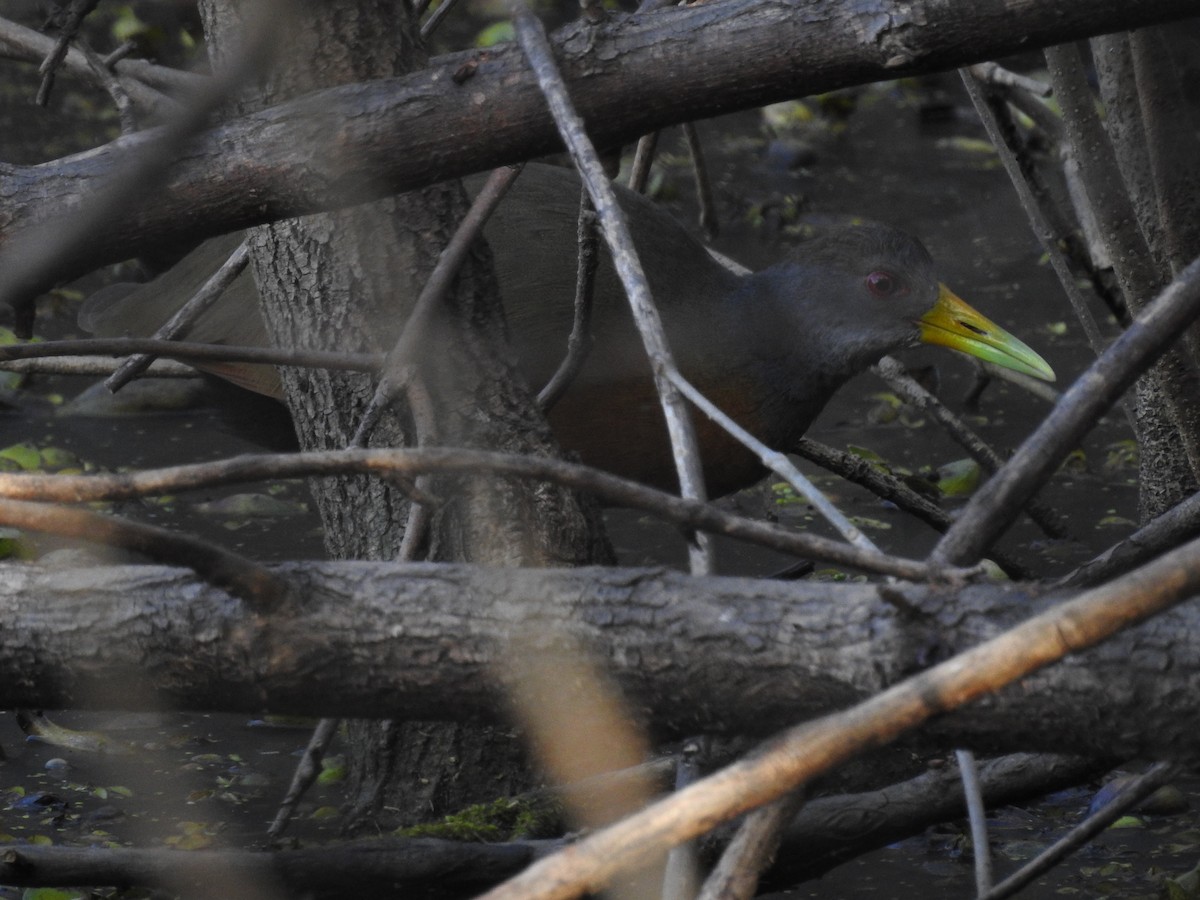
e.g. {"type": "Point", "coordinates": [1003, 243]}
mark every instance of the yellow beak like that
{"type": "Point", "coordinates": [952, 323]}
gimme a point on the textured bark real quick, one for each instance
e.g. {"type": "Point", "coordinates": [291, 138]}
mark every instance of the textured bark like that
{"type": "Point", "coordinates": [328, 281]}
{"type": "Point", "coordinates": [690, 655]}
{"type": "Point", "coordinates": [1123, 122]}
{"type": "Point", "coordinates": [1167, 412]}
{"type": "Point", "coordinates": [1166, 476]}
{"type": "Point", "coordinates": [1172, 135]}
{"type": "Point", "coordinates": [472, 110]}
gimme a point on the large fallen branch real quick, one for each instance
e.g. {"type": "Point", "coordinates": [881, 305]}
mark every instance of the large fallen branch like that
{"type": "Point", "coordinates": [469, 111]}
{"type": "Point", "coordinates": [691, 655]}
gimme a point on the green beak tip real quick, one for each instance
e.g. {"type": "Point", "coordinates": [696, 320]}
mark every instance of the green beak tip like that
{"type": "Point", "coordinates": [1017, 357]}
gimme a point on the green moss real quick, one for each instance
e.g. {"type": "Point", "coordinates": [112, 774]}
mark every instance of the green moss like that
{"type": "Point", "coordinates": [506, 819]}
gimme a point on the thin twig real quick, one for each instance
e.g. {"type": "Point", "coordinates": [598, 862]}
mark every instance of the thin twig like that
{"type": "Point", "coordinates": [1127, 798]}
{"type": "Point", "coordinates": [313, 359]}
{"type": "Point", "coordinates": [259, 587]}
{"type": "Point", "coordinates": [112, 84]}
{"type": "Point", "coordinates": [398, 364]}
{"type": "Point", "coordinates": [890, 370]}
{"type": "Point", "coordinates": [420, 511]}
{"type": "Point", "coordinates": [306, 773]}
{"type": "Point", "coordinates": [185, 316]}
{"type": "Point", "coordinates": [994, 73]}
{"type": "Point", "coordinates": [882, 484]}
{"type": "Point", "coordinates": [120, 52]}
{"type": "Point", "coordinates": [611, 489]}
{"type": "Point", "coordinates": [643, 158]}
{"type": "Point", "coordinates": [977, 817]}
{"type": "Point", "coordinates": [778, 463]}
{"type": "Point", "coordinates": [801, 753]}
{"type": "Point", "coordinates": [579, 342]}
{"type": "Point", "coordinates": [704, 198]}
{"type": "Point", "coordinates": [1000, 131]}
{"type": "Point", "coordinates": [1066, 234]}
{"type": "Point", "coordinates": [93, 366]}
{"type": "Point", "coordinates": [72, 18]}
{"type": "Point", "coordinates": [532, 38]}
{"type": "Point", "coordinates": [439, 15]}
{"type": "Point", "coordinates": [681, 874]}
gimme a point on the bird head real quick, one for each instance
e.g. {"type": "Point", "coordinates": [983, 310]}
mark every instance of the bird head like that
{"type": "Point", "coordinates": [862, 291]}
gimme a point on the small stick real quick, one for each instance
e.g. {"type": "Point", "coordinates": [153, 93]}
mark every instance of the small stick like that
{"type": "Point", "coordinates": [994, 73]}
{"type": "Point", "coordinates": [778, 463]}
{"type": "Point", "coordinates": [397, 365]}
{"type": "Point", "coordinates": [185, 316]}
{"type": "Point", "coordinates": [643, 158]}
{"type": "Point", "coordinates": [1126, 799]}
{"type": "Point", "coordinates": [313, 359]}
{"type": "Point", "coordinates": [708, 212]}
{"type": "Point", "coordinates": [259, 587]}
{"type": "Point", "coordinates": [532, 38]}
{"type": "Point", "coordinates": [439, 16]}
{"type": "Point", "coordinates": [579, 342]}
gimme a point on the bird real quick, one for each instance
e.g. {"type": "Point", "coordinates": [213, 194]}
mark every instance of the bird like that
{"type": "Point", "coordinates": [770, 347]}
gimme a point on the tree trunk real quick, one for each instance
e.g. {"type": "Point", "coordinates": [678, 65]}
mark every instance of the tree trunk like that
{"type": "Point", "coordinates": [346, 280]}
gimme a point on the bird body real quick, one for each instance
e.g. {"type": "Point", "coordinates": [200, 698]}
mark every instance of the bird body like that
{"type": "Point", "coordinates": [769, 348]}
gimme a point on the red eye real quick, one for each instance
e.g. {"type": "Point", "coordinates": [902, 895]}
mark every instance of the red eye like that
{"type": "Point", "coordinates": [885, 284]}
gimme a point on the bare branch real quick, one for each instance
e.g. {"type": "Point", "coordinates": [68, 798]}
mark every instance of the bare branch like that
{"type": "Point", "coordinates": [690, 514]}
{"type": "Point", "coordinates": [259, 587]}
{"type": "Point", "coordinates": [801, 753]}
{"type": "Point", "coordinates": [684, 444]}
{"type": "Point", "coordinates": [397, 371]}
{"type": "Point", "coordinates": [247, 171]}
{"type": "Point", "coordinates": [209, 293]}
{"type": "Point", "coordinates": [1126, 799]}
{"type": "Point", "coordinates": [93, 366]}
{"type": "Point", "coordinates": [989, 460]}
{"type": "Point", "coordinates": [993, 508]}
{"type": "Point", "coordinates": [322, 359]}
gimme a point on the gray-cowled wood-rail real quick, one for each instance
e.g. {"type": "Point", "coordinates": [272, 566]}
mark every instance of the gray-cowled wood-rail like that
{"type": "Point", "coordinates": [768, 347]}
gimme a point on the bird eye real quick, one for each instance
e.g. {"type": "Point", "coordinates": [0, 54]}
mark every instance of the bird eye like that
{"type": "Point", "coordinates": [885, 284]}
